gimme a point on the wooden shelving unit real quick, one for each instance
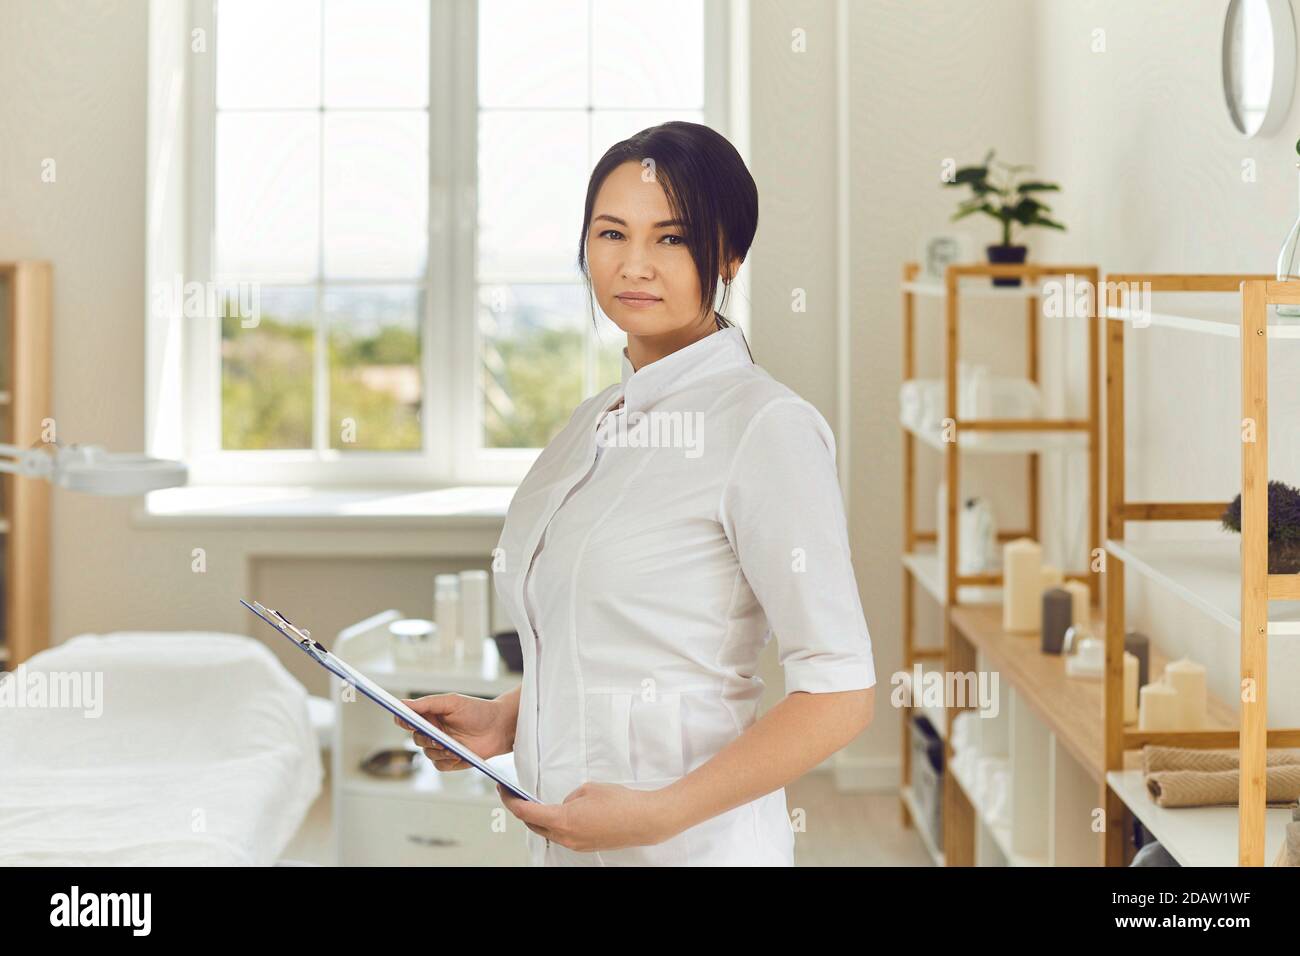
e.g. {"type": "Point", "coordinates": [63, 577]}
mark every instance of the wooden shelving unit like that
{"type": "Point", "coordinates": [25, 404]}
{"type": "Point", "coordinates": [1226, 580]}
{"type": "Point", "coordinates": [1052, 734]}
{"type": "Point", "coordinates": [937, 574]}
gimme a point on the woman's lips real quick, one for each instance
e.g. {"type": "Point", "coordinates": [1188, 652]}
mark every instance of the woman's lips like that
{"type": "Point", "coordinates": [636, 302]}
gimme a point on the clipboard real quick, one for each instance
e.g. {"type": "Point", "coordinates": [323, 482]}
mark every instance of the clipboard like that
{"type": "Point", "coordinates": [345, 672]}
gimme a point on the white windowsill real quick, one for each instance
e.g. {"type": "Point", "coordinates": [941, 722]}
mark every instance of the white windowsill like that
{"type": "Point", "coordinates": [464, 506]}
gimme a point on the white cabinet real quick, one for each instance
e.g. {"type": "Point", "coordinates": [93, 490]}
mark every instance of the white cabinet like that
{"type": "Point", "coordinates": [1053, 800]}
{"type": "Point", "coordinates": [431, 818]}
{"type": "Point", "coordinates": [389, 830]}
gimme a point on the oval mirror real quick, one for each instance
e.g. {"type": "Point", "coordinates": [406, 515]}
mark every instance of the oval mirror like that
{"type": "Point", "coordinates": [1258, 63]}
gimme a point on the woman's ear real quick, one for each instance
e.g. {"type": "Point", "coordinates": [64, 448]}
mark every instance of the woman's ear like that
{"type": "Point", "coordinates": [730, 269]}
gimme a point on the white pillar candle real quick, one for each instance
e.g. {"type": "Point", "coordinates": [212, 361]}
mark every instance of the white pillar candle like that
{"type": "Point", "coordinates": [446, 612]}
{"type": "Point", "coordinates": [1022, 585]}
{"type": "Point", "coordinates": [1187, 678]}
{"type": "Point", "coordinates": [1080, 601]}
{"type": "Point", "coordinates": [1130, 688]}
{"type": "Point", "coordinates": [474, 612]}
{"type": "Point", "coordinates": [1051, 577]}
{"type": "Point", "coordinates": [1158, 707]}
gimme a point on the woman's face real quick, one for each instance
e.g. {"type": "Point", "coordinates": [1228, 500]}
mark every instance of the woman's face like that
{"type": "Point", "coordinates": [641, 268]}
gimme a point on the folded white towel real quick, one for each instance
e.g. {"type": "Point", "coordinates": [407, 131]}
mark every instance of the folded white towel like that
{"type": "Point", "coordinates": [922, 404]}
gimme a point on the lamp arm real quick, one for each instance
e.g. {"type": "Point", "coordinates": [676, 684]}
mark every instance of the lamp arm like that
{"type": "Point", "coordinates": [26, 461]}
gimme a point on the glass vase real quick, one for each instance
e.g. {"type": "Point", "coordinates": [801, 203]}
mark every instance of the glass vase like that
{"type": "Point", "coordinates": [1288, 264]}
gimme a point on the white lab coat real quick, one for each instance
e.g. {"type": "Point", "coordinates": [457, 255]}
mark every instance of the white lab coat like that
{"type": "Point", "coordinates": [643, 582]}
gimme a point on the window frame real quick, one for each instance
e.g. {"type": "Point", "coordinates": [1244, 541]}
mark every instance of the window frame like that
{"type": "Point", "coordinates": [450, 349]}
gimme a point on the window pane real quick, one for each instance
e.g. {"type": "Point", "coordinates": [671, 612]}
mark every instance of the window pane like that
{"type": "Point", "coordinates": [377, 53]}
{"type": "Point", "coordinates": [532, 340]}
{"type": "Point", "coordinates": [532, 54]}
{"type": "Point", "coordinates": [648, 54]}
{"type": "Point", "coordinates": [267, 180]}
{"type": "Point", "coordinates": [375, 380]}
{"type": "Point", "coordinates": [376, 195]}
{"type": "Point", "coordinates": [266, 370]}
{"type": "Point", "coordinates": [268, 54]}
{"type": "Point", "coordinates": [532, 180]}
{"type": "Point", "coordinates": [613, 126]}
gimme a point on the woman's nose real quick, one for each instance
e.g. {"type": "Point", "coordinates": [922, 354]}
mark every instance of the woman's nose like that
{"type": "Point", "coordinates": [637, 264]}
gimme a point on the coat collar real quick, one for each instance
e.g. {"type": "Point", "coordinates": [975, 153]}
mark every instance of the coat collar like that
{"type": "Point", "coordinates": [716, 352]}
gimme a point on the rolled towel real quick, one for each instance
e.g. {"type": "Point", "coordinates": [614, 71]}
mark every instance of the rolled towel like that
{"type": "Point", "coordinates": [911, 399]}
{"type": "Point", "coordinates": [1155, 759]}
{"type": "Point", "coordinates": [1197, 788]}
{"type": "Point", "coordinates": [963, 729]}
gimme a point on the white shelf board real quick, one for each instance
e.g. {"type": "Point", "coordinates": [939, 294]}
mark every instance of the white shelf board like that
{"type": "Point", "coordinates": [976, 287]}
{"type": "Point", "coordinates": [485, 674]}
{"type": "Point", "coordinates": [1226, 323]}
{"type": "Point", "coordinates": [428, 781]}
{"type": "Point", "coordinates": [1001, 443]}
{"type": "Point", "coordinates": [1206, 573]}
{"type": "Point", "coordinates": [1195, 836]}
{"type": "Point", "coordinates": [928, 570]}
{"type": "Point", "coordinates": [914, 808]}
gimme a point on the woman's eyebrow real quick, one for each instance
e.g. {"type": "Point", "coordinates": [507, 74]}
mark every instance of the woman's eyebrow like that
{"type": "Point", "coordinates": [659, 225]}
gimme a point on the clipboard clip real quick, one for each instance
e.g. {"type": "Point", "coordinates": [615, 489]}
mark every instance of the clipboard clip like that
{"type": "Point", "coordinates": [292, 630]}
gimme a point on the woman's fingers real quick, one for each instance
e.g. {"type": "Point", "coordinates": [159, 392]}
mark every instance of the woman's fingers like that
{"type": "Point", "coordinates": [443, 762]}
{"type": "Point", "coordinates": [442, 758]}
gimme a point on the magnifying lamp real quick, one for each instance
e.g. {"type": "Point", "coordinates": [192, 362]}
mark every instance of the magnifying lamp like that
{"type": "Point", "coordinates": [92, 469]}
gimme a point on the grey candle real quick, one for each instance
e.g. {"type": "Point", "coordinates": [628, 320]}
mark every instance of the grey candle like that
{"type": "Point", "coordinates": [1058, 614]}
{"type": "Point", "coordinates": [1136, 643]}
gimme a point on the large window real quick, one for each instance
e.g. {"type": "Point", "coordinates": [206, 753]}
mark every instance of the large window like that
{"type": "Point", "coordinates": [387, 197]}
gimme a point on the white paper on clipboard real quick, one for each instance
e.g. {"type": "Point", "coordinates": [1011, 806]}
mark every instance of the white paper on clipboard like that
{"type": "Point", "coordinates": [345, 672]}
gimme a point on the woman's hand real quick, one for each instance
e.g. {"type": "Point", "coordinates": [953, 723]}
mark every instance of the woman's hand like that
{"type": "Point", "coordinates": [598, 816]}
{"type": "Point", "coordinates": [486, 727]}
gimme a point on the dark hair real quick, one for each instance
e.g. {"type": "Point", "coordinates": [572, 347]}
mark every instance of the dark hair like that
{"type": "Point", "coordinates": [708, 189]}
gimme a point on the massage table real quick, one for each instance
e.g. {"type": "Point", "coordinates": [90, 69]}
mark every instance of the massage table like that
{"type": "Point", "coordinates": [204, 755]}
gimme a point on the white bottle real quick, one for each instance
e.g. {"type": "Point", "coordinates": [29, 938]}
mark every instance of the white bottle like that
{"type": "Point", "coordinates": [474, 612]}
{"type": "Point", "coordinates": [446, 612]}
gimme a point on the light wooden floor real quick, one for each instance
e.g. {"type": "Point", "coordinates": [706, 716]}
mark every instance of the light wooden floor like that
{"type": "Point", "coordinates": [842, 829]}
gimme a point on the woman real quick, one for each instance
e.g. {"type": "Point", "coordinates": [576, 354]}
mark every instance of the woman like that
{"type": "Point", "coordinates": [677, 517]}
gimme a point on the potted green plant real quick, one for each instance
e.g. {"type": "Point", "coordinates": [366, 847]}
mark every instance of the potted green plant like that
{"type": "Point", "coordinates": [997, 190]}
{"type": "Point", "coordinates": [1283, 527]}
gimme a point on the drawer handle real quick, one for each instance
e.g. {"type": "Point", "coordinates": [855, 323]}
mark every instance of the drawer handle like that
{"type": "Point", "coordinates": [430, 840]}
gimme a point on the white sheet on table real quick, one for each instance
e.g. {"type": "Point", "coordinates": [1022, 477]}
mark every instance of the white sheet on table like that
{"type": "Point", "coordinates": [195, 727]}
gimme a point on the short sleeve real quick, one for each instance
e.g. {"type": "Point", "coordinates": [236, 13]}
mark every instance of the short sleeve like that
{"type": "Point", "coordinates": [782, 509]}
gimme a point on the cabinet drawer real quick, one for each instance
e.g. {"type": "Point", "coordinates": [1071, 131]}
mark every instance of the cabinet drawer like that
{"type": "Point", "coordinates": [392, 831]}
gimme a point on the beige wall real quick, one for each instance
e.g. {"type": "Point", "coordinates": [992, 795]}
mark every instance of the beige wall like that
{"type": "Point", "coordinates": [929, 80]}
{"type": "Point", "coordinates": [72, 77]}
{"type": "Point", "coordinates": [1140, 138]}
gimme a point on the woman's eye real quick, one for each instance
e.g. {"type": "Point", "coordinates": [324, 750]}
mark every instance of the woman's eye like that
{"type": "Point", "coordinates": [615, 234]}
